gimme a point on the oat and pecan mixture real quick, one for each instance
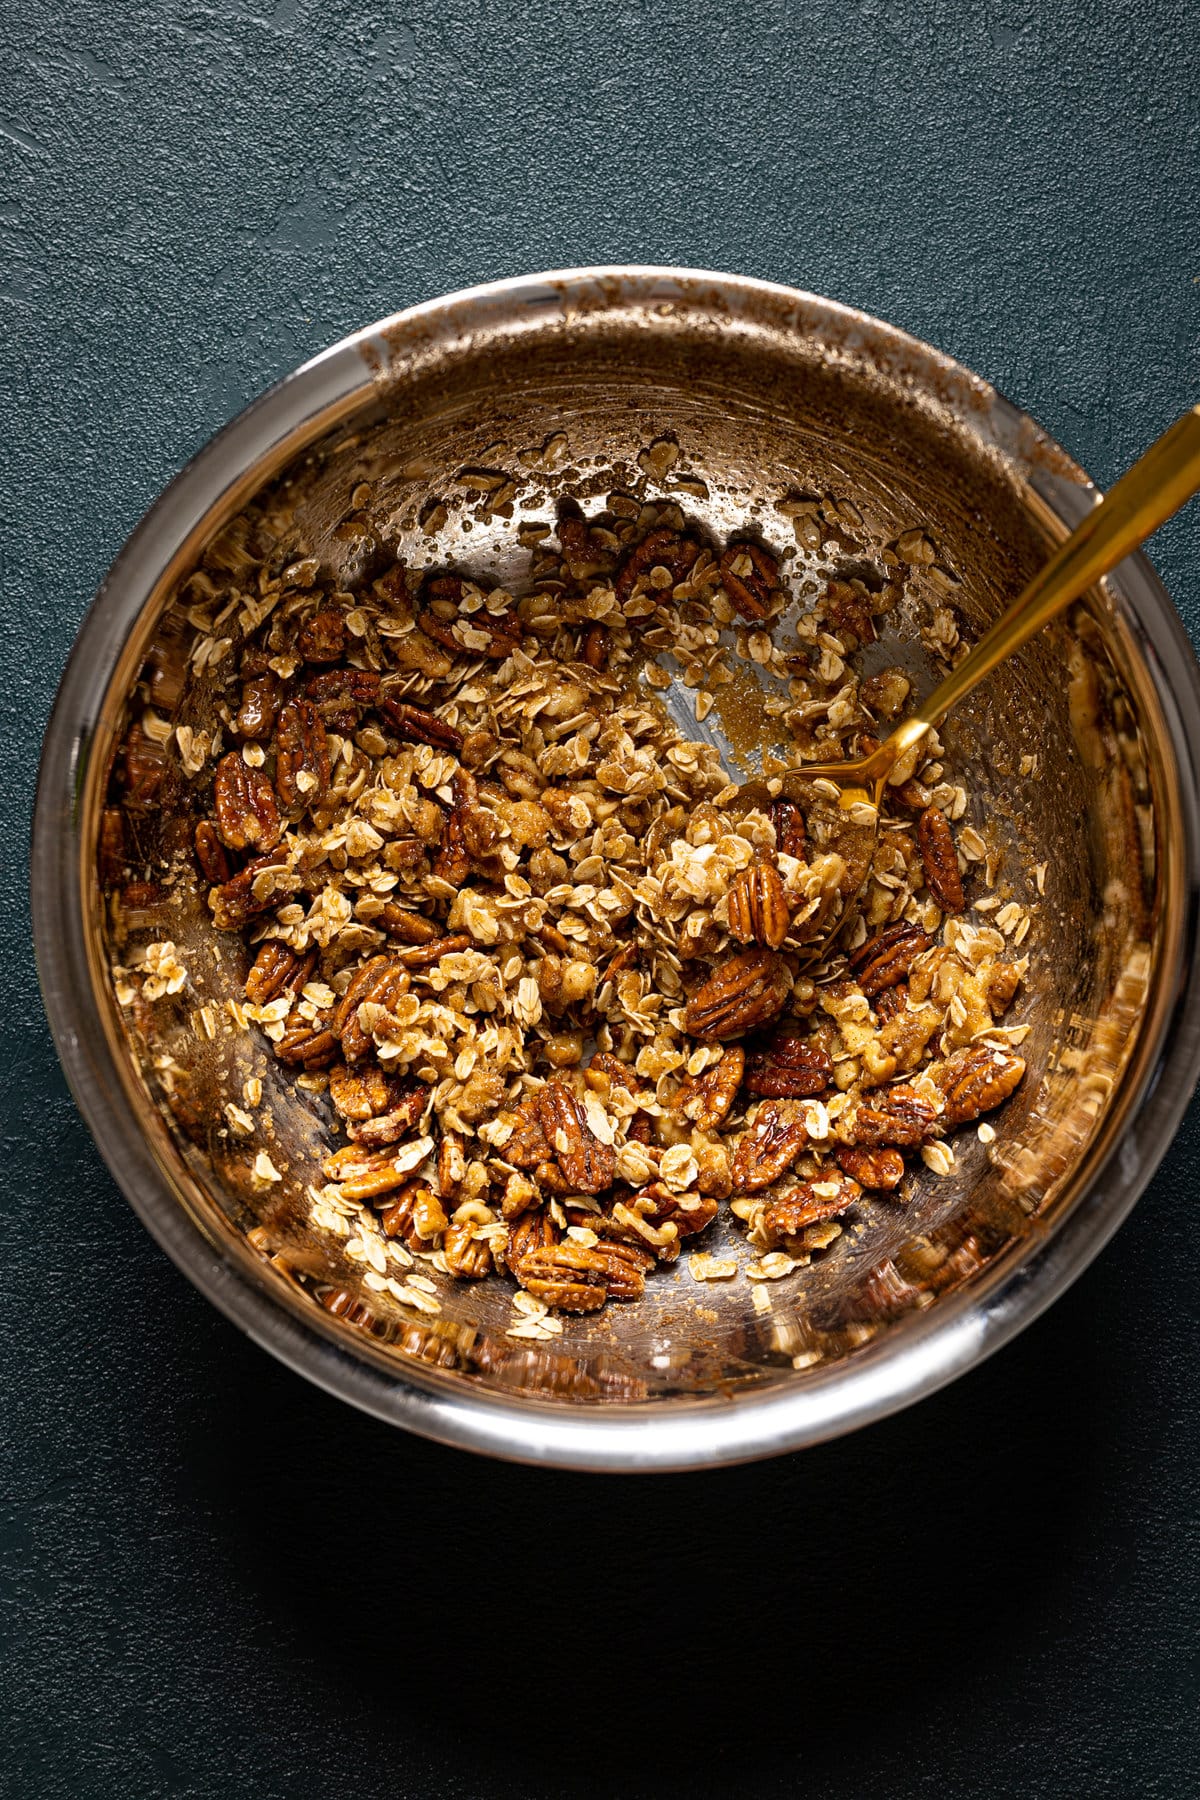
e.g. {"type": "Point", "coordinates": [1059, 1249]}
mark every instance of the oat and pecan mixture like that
{"type": "Point", "coordinates": [516, 927]}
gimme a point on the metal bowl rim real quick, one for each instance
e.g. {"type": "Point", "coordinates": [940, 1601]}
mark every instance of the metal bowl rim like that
{"type": "Point", "coordinates": [953, 1336]}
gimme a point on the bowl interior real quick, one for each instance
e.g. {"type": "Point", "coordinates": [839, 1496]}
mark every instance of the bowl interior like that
{"type": "Point", "coordinates": [833, 444]}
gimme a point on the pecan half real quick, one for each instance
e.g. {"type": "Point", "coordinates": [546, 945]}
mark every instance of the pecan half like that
{"type": "Point", "coordinates": [571, 1276]}
{"type": "Point", "coordinates": [210, 853]}
{"type": "Point", "coordinates": [758, 908]}
{"type": "Point", "coordinates": [483, 633]}
{"type": "Point", "coordinates": [531, 1231]}
{"type": "Point", "coordinates": [247, 811]}
{"type": "Point", "coordinates": [301, 755]}
{"type": "Point", "coordinates": [770, 1146]}
{"type": "Point", "coordinates": [791, 833]}
{"type": "Point", "coordinates": [259, 708]}
{"type": "Point", "coordinates": [407, 1100]}
{"type": "Point", "coordinates": [886, 958]}
{"type": "Point", "coordinates": [341, 696]}
{"type": "Point", "coordinates": [788, 1067]}
{"type": "Point", "coordinates": [976, 1080]}
{"type": "Point", "coordinates": [897, 1115]}
{"type": "Point", "coordinates": [246, 894]}
{"type": "Point", "coordinates": [706, 1098]}
{"type": "Point", "coordinates": [277, 970]}
{"type": "Point", "coordinates": [940, 860]}
{"type": "Point", "coordinates": [746, 991]}
{"type": "Point", "coordinates": [407, 927]}
{"type": "Point", "coordinates": [883, 1169]}
{"type": "Point", "coordinates": [662, 548]}
{"type": "Point", "coordinates": [417, 726]}
{"type": "Point", "coordinates": [381, 981]}
{"type": "Point", "coordinates": [822, 1198]}
{"type": "Point", "coordinates": [307, 1043]}
{"type": "Point", "coordinates": [468, 1258]}
{"type": "Point", "coordinates": [588, 1165]}
{"type": "Point", "coordinates": [749, 587]}
{"type": "Point", "coordinates": [323, 639]}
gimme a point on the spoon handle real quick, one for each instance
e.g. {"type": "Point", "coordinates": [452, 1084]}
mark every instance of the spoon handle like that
{"type": "Point", "coordinates": [1146, 495]}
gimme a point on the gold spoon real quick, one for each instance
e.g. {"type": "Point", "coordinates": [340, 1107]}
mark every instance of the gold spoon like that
{"type": "Point", "coordinates": [840, 801]}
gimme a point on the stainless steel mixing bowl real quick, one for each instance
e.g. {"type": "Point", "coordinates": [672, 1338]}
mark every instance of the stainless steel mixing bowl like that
{"type": "Point", "coordinates": [1081, 755]}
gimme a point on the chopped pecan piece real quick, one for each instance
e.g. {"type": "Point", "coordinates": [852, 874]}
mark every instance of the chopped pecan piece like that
{"type": "Point", "coordinates": [301, 755]}
{"type": "Point", "coordinates": [886, 958]}
{"type": "Point", "coordinates": [416, 726]}
{"type": "Point", "coordinates": [750, 575]}
{"type": "Point", "coordinates": [259, 709]}
{"type": "Point", "coordinates": [976, 1080]}
{"type": "Point", "coordinates": [848, 615]}
{"type": "Point", "coordinates": [891, 1002]}
{"type": "Point", "coordinates": [588, 1165]}
{"type": "Point", "coordinates": [210, 853]}
{"type": "Point", "coordinates": [771, 1145]}
{"type": "Point", "coordinates": [662, 548]}
{"type": "Point", "coordinates": [247, 894]}
{"type": "Point", "coordinates": [822, 1198]}
{"type": "Point", "coordinates": [323, 639]}
{"type": "Point", "coordinates": [452, 1164]}
{"type": "Point", "coordinates": [1002, 983]}
{"type": "Point", "coordinates": [742, 993]}
{"type": "Point", "coordinates": [380, 982]}
{"type": "Point", "coordinates": [142, 767]}
{"type": "Point", "coordinates": [307, 1043]}
{"type": "Point", "coordinates": [584, 550]}
{"type": "Point", "coordinates": [407, 927]}
{"type": "Point", "coordinates": [341, 696]}
{"type": "Point", "coordinates": [415, 1216]}
{"type": "Point", "coordinates": [247, 811]}
{"type": "Point", "coordinates": [359, 1094]}
{"type": "Point", "coordinates": [594, 648]}
{"type": "Point", "coordinates": [883, 1169]}
{"type": "Point", "coordinates": [112, 851]}
{"type": "Point", "coordinates": [527, 1147]}
{"type": "Point", "coordinates": [619, 1074]}
{"type": "Point", "coordinates": [788, 1067]}
{"type": "Point", "coordinates": [482, 633]}
{"type": "Point", "coordinates": [468, 1258]}
{"type": "Point", "coordinates": [277, 970]}
{"type": "Point", "coordinates": [706, 1098]}
{"type": "Point", "coordinates": [453, 860]}
{"type": "Point", "coordinates": [758, 908]}
{"type": "Point", "coordinates": [898, 1116]}
{"type": "Point", "coordinates": [658, 1205]}
{"type": "Point", "coordinates": [940, 860]}
{"type": "Point", "coordinates": [791, 833]}
{"type": "Point", "coordinates": [408, 1099]}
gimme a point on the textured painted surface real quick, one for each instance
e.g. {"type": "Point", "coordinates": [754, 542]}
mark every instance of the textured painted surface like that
{"type": "Point", "coordinates": [215, 1581]}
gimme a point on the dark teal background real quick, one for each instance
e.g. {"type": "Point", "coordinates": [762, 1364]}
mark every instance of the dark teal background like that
{"type": "Point", "coordinates": [218, 1582]}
